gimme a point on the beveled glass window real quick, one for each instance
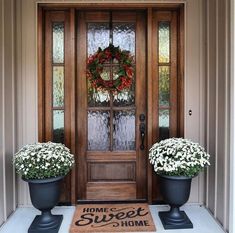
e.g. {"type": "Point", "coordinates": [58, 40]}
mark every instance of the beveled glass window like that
{"type": "Point", "coordinates": [164, 75]}
{"type": "Point", "coordinates": [58, 81]}
{"type": "Point", "coordinates": [111, 116]}
{"type": "Point", "coordinates": [164, 42]}
{"type": "Point", "coordinates": [58, 42]}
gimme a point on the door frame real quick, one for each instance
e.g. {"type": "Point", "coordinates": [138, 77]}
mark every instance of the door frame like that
{"type": "Point", "coordinates": [150, 75]}
{"type": "Point", "coordinates": [136, 157]}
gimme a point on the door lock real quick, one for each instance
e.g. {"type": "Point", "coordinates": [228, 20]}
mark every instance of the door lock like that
{"type": "Point", "coordinates": [142, 135]}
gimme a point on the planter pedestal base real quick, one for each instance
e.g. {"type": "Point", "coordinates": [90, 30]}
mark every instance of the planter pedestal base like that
{"type": "Point", "coordinates": [175, 222]}
{"type": "Point", "coordinates": [52, 226]}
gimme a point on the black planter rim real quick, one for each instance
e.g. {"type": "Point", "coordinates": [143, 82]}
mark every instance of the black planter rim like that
{"type": "Point", "coordinates": [176, 177]}
{"type": "Point", "coordinates": [46, 180]}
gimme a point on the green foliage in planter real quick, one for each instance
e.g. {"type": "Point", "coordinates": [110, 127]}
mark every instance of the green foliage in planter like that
{"type": "Point", "coordinates": [178, 157]}
{"type": "Point", "coordinates": [43, 160]}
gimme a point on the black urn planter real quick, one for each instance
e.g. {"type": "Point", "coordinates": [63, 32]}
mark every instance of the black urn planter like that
{"type": "Point", "coordinates": [175, 191]}
{"type": "Point", "coordinates": [45, 195]}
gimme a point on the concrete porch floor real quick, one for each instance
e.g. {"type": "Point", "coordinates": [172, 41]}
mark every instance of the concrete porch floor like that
{"type": "Point", "coordinates": [203, 222]}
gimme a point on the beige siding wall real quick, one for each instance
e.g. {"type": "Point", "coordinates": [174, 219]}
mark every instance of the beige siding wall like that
{"type": "Point", "coordinates": [2, 197]}
{"type": "Point", "coordinates": [232, 126]}
{"type": "Point", "coordinates": [7, 108]}
{"type": "Point", "coordinates": [218, 104]}
{"type": "Point", "coordinates": [26, 70]}
{"type": "Point", "coordinates": [195, 84]}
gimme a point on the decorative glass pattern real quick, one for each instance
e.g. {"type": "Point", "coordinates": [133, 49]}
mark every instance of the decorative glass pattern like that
{"type": "Point", "coordinates": [124, 36]}
{"type": "Point", "coordinates": [164, 123]}
{"type": "Point", "coordinates": [125, 98]}
{"type": "Point", "coordinates": [123, 121]}
{"type": "Point", "coordinates": [124, 130]}
{"type": "Point", "coordinates": [164, 118]}
{"type": "Point", "coordinates": [58, 126]}
{"type": "Point", "coordinates": [58, 86]}
{"type": "Point", "coordinates": [98, 130]}
{"type": "Point", "coordinates": [97, 36]}
{"type": "Point", "coordinates": [58, 42]}
{"type": "Point", "coordinates": [164, 42]}
{"type": "Point", "coordinates": [164, 85]}
{"type": "Point", "coordinates": [98, 98]}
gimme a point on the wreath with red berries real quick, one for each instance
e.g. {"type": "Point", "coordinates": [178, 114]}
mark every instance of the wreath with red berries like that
{"type": "Point", "coordinates": [124, 73]}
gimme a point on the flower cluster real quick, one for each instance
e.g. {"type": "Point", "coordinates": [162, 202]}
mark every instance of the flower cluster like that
{"type": "Point", "coordinates": [43, 160]}
{"type": "Point", "coordinates": [122, 77]}
{"type": "Point", "coordinates": [178, 157]}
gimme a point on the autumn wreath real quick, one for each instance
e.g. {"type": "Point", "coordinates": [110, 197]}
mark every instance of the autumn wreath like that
{"type": "Point", "coordinates": [123, 75]}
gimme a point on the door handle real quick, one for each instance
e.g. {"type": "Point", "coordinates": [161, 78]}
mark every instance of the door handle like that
{"type": "Point", "coordinates": [142, 135]}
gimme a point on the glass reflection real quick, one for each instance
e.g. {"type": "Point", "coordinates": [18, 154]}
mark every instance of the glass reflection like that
{"type": "Point", "coordinates": [124, 36]}
{"type": "Point", "coordinates": [58, 42]}
{"type": "Point", "coordinates": [98, 130]}
{"type": "Point", "coordinates": [124, 130]}
{"type": "Point", "coordinates": [58, 86]}
{"type": "Point", "coordinates": [58, 126]}
{"type": "Point", "coordinates": [97, 36]}
{"type": "Point", "coordinates": [125, 98]}
{"type": "Point", "coordinates": [164, 42]}
{"type": "Point", "coordinates": [164, 123]}
{"type": "Point", "coordinates": [164, 85]}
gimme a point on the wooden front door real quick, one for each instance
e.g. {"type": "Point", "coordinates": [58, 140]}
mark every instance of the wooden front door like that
{"type": "Point", "coordinates": [112, 159]}
{"type": "Point", "coordinates": [110, 133]}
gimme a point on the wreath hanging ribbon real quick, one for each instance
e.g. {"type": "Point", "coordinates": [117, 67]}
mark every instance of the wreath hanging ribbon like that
{"type": "Point", "coordinates": [123, 76]}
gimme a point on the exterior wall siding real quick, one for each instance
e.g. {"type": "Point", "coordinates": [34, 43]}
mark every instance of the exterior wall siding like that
{"type": "Point", "coordinates": [218, 108]}
{"type": "Point", "coordinates": [7, 108]}
{"type": "Point", "coordinates": [2, 197]}
{"type": "Point", "coordinates": [232, 120]}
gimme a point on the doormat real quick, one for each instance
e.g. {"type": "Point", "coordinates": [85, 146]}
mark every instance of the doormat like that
{"type": "Point", "coordinates": [112, 218]}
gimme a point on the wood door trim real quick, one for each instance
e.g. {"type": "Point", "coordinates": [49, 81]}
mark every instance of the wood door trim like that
{"type": "Point", "coordinates": [174, 77]}
{"type": "Point", "coordinates": [41, 80]}
{"type": "Point", "coordinates": [106, 6]}
{"type": "Point", "coordinates": [141, 94]}
{"type": "Point", "coordinates": [181, 64]}
{"type": "Point", "coordinates": [81, 105]}
{"type": "Point", "coordinates": [73, 104]}
{"type": "Point", "coordinates": [150, 97]}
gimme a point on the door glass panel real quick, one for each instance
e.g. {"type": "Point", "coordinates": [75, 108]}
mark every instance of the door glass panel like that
{"type": "Point", "coordinates": [164, 123]}
{"type": "Point", "coordinates": [124, 36]}
{"type": "Point", "coordinates": [115, 70]}
{"type": "Point", "coordinates": [98, 98]}
{"type": "Point", "coordinates": [125, 98]}
{"type": "Point", "coordinates": [58, 42]}
{"type": "Point", "coordinates": [58, 126]}
{"type": "Point", "coordinates": [97, 36]}
{"type": "Point", "coordinates": [124, 130]}
{"type": "Point", "coordinates": [103, 122]}
{"type": "Point", "coordinates": [58, 86]}
{"type": "Point", "coordinates": [164, 42]}
{"type": "Point", "coordinates": [98, 130]}
{"type": "Point", "coordinates": [164, 85]}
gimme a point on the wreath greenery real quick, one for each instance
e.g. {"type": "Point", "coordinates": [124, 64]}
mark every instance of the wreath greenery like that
{"type": "Point", "coordinates": [123, 77]}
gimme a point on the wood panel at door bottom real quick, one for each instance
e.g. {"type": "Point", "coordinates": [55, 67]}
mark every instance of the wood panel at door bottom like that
{"type": "Point", "coordinates": [110, 191]}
